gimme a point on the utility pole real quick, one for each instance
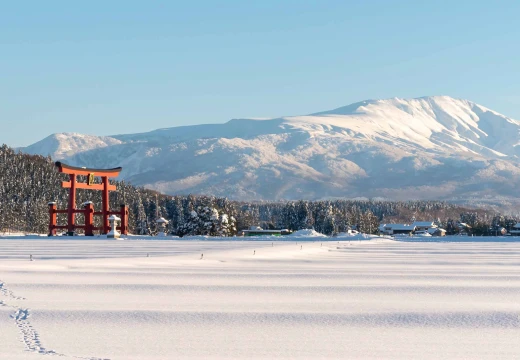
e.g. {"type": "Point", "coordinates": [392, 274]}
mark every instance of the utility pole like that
{"type": "Point", "coordinates": [156, 212]}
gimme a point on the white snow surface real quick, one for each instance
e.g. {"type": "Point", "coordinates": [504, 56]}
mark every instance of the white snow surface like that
{"type": "Point", "coordinates": [63, 145]}
{"type": "Point", "coordinates": [426, 148]}
{"type": "Point", "coordinates": [450, 298]}
{"type": "Point", "coordinates": [307, 233]}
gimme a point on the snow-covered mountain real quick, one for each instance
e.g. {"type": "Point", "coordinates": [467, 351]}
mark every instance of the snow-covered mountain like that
{"type": "Point", "coordinates": [425, 148]}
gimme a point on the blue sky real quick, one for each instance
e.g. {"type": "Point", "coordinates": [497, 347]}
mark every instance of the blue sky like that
{"type": "Point", "coordinates": [110, 67]}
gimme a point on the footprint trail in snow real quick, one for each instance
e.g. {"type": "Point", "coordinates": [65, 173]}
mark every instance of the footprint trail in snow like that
{"type": "Point", "coordinates": [6, 292]}
{"type": "Point", "coordinates": [29, 336]}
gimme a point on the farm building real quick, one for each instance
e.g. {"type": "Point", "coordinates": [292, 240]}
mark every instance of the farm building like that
{"type": "Point", "coordinates": [258, 231]}
{"type": "Point", "coordinates": [395, 229]}
{"type": "Point", "coordinates": [423, 225]}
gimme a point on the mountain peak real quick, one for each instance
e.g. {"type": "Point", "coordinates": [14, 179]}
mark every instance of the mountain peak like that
{"type": "Point", "coordinates": [433, 147]}
{"type": "Point", "coordinates": [62, 145]}
{"type": "Point", "coordinates": [360, 107]}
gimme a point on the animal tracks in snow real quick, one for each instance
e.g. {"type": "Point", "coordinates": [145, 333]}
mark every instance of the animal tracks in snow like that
{"type": "Point", "coordinates": [6, 292]}
{"type": "Point", "coordinates": [29, 336]}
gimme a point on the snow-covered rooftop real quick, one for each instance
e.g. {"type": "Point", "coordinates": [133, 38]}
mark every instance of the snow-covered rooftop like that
{"type": "Point", "coordinates": [423, 223]}
{"type": "Point", "coordinates": [433, 230]}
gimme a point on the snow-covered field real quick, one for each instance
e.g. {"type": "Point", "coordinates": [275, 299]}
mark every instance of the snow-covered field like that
{"type": "Point", "coordinates": [304, 298]}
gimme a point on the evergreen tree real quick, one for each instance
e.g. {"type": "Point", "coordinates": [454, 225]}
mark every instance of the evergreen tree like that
{"type": "Point", "coordinates": [29, 182]}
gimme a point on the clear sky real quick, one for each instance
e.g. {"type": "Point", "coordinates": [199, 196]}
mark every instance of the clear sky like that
{"type": "Point", "coordinates": [111, 67]}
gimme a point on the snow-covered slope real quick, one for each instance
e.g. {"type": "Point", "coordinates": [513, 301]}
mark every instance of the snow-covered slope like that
{"type": "Point", "coordinates": [61, 146]}
{"type": "Point", "coordinates": [429, 148]}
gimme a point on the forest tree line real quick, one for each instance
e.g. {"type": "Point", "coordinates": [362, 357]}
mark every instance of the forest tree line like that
{"type": "Point", "coordinates": [29, 182]}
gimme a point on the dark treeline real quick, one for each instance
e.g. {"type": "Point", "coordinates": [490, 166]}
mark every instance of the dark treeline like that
{"type": "Point", "coordinates": [29, 182]}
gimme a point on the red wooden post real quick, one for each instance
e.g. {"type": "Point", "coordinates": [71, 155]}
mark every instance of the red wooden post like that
{"type": "Point", "coordinates": [89, 219]}
{"type": "Point", "coordinates": [105, 187]}
{"type": "Point", "coordinates": [52, 217]}
{"type": "Point", "coordinates": [105, 205]}
{"type": "Point", "coordinates": [72, 205]}
{"type": "Point", "coordinates": [124, 220]}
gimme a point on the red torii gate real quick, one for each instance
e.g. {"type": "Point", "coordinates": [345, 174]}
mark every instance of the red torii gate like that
{"type": "Point", "coordinates": [88, 209]}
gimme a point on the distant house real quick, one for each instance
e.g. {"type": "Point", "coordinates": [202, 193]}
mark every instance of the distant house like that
{"type": "Point", "coordinates": [515, 230]}
{"type": "Point", "coordinates": [423, 225]}
{"type": "Point", "coordinates": [396, 229]}
{"type": "Point", "coordinates": [436, 231]}
{"type": "Point", "coordinates": [258, 231]}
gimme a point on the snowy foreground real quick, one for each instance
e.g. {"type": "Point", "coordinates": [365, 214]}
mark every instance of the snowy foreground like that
{"type": "Point", "coordinates": [307, 298]}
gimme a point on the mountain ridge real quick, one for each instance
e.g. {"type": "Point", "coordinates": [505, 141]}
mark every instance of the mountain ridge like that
{"type": "Point", "coordinates": [424, 148]}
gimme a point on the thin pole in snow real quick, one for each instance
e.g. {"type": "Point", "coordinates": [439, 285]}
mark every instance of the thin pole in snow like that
{"type": "Point", "coordinates": [156, 206]}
